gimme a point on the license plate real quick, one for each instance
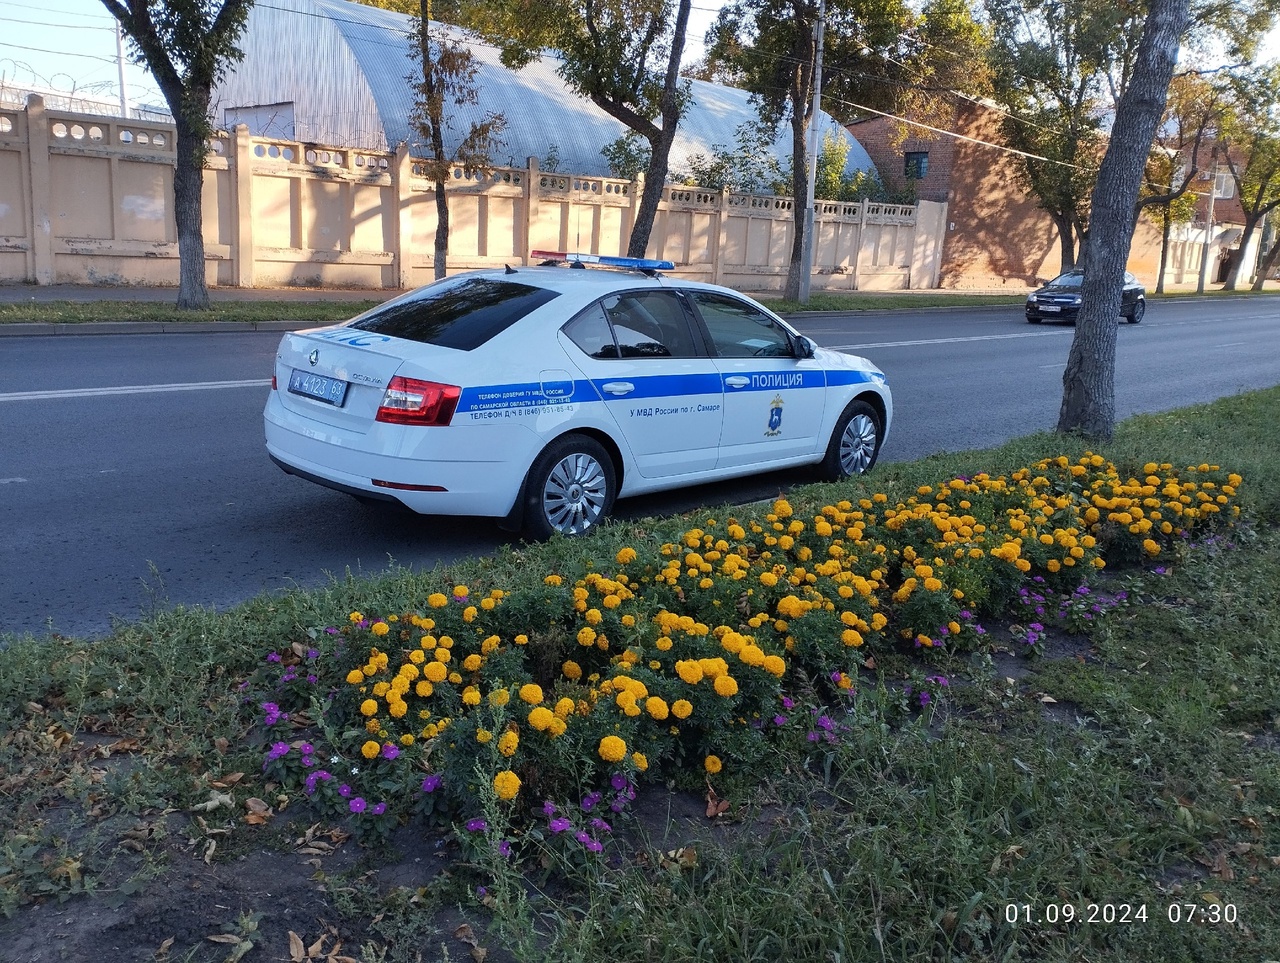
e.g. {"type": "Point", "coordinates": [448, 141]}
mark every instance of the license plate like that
{"type": "Point", "coordinates": [329, 390]}
{"type": "Point", "coordinates": [1050, 308]}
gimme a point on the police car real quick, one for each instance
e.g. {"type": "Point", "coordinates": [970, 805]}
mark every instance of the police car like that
{"type": "Point", "coordinates": [539, 395]}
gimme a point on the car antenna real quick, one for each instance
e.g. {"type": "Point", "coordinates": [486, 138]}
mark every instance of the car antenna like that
{"type": "Point", "coordinates": [510, 269]}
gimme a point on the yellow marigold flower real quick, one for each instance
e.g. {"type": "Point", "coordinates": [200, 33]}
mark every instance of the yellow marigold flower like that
{"type": "Point", "coordinates": [1150, 546]}
{"type": "Point", "coordinates": [612, 749]}
{"type": "Point", "coordinates": [851, 637]}
{"type": "Point", "coordinates": [471, 696]}
{"type": "Point", "coordinates": [442, 654]}
{"type": "Point", "coordinates": [531, 693]}
{"type": "Point", "coordinates": [417, 656]}
{"type": "Point", "coordinates": [682, 708]}
{"type": "Point", "coordinates": [552, 580]}
{"type": "Point", "coordinates": [369, 707]}
{"type": "Point", "coordinates": [663, 643]}
{"type": "Point", "coordinates": [381, 689]}
{"type": "Point", "coordinates": [594, 617]}
{"type": "Point", "coordinates": [398, 709]}
{"type": "Point", "coordinates": [641, 761]}
{"type": "Point", "coordinates": [726, 685]}
{"type": "Point", "coordinates": [437, 600]}
{"type": "Point", "coordinates": [565, 707]}
{"type": "Point", "coordinates": [407, 739]}
{"type": "Point", "coordinates": [625, 556]}
{"type": "Point", "coordinates": [932, 585]}
{"type": "Point", "coordinates": [460, 592]}
{"type": "Point", "coordinates": [435, 671]}
{"type": "Point", "coordinates": [506, 784]}
{"type": "Point", "coordinates": [558, 727]}
{"type": "Point", "coordinates": [379, 628]}
{"type": "Point", "coordinates": [775, 665]}
{"type": "Point", "coordinates": [628, 620]}
{"type": "Point", "coordinates": [768, 579]}
{"type": "Point", "coordinates": [656, 707]}
{"type": "Point", "coordinates": [508, 743]}
{"type": "Point", "coordinates": [472, 662]}
{"type": "Point", "coordinates": [355, 677]}
{"type": "Point", "coordinates": [424, 689]}
{"type": "Point", "coordinates": [370, 749]}
{"type": "Point", "coordinates": [483, 736]}
{"type": "Point", "coordinates": [355, 617]}
{"type": "Point", "coordinates": [586, 635]}
{"type": "Point", "coordinates": [689, 670]}
{"type": "Point", "coordinates": [372, 726]}
{"type": "Point", "coordinates": [540, 718]}
{"type": "Point", "coordinates": [488, 604]}
{"type": "Point", "coordinates": [712, 764]}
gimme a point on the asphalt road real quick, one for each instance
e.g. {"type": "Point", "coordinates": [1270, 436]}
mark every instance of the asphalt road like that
{"type": "Point", "coordinates": [133, 475]}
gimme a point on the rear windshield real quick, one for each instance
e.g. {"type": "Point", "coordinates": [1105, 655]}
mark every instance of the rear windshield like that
{"type": "Point", "coordinates": [463, 314]}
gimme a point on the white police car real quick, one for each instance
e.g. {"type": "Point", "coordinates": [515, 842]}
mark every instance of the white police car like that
{"type": "Point", "coordinates": [538, 395]}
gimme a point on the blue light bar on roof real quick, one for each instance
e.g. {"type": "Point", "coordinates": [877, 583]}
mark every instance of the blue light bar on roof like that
{"type": "Point", "coordinates": [605, 260]}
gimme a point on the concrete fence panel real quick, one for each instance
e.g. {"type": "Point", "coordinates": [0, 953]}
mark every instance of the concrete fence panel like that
{"type": "Point", "coordinates": [88, 199]}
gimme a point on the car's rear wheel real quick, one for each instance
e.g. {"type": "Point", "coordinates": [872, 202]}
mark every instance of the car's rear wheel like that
{"type": "Point", "coordinates": [1139, 309]}
{"type": "Point", "coordinates": [855, 443]}
{"type": "Point", "coordinates": [570, 489]}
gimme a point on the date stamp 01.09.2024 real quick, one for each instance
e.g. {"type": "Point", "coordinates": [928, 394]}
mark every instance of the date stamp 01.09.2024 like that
{"type": "Point", "coordinates": [1180, 913]}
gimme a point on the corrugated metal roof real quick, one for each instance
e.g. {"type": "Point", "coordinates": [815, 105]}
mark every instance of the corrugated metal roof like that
{"type": "Point", "coordinates": [345, 67]}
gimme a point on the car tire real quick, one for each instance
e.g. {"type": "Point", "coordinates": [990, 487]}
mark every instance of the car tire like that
{"type": "Point", "coordinates": [855, 443]}
{"type": "Point", "coordinates": [1031, 320]}
{"type": "Point", "coordinates": [570, 488]}
{"type": "Point", "coordinates": [1139, 309]}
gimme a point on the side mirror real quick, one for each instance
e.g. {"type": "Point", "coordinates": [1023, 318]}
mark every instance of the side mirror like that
{"type": "Point", "coordinates": [804, 348]}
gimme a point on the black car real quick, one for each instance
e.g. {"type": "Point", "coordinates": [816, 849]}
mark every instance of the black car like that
{"type": "Point", "coordinates": [1059, 300]}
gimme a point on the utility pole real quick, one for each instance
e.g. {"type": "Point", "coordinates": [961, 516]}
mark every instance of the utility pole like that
{"type": "Point", "coordinates": [1208, 236]}
{"type": "Point", "coordinates": [806, 250]}
{"type": "Point", "coordinates": [124, 94]}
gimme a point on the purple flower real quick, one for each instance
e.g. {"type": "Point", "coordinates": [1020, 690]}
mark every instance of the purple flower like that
{"type": "Point", "coordinates": [357, 805]}
{"type": "Point", "coordinates": [306, 749]}
{"type": "Point", "coordinates": [476, 825]}
{"type": "Point", "coordinates": [600, 826]}
{"type": "Point", "coordinates": [278, 750]}
{"type": "Point", "coordinates": [591, 800]}
{"type": "Point", "coordinates": [378, 808]}
{"type": "Point", "coordinates": [431, 783]}
{"type": "Point", "coordinates": [331, 631]}
{"type": "Point", "coordinates": [308, 761]}
{"type": "Point", "coordinates": [582, 836]}
{"type": "Point", "coordinates": [594, 845]}
{"type": "Point", "coordinates": [618, 781]}
{"type": "Point", "coordinates": [504, 848]}
{"type": "Point", "coordinates": [313, 653]}
{"type": "Point", "coordinates": [548, 808]}
{"type": "Point", "coordinates": [779, 720]}
{"type": "Point", "coordinates": [824, 722]}
{"type": "Point", "coordinates": [787, 703]}
{"type": "Point", "coordinates": [312, 678]}
{"type": "Point", "coordinates": [925, 698]}
{"type": "Point", "coordinates": [559, 824]}
{"type": "Point", "coordinates": [482, 891]}
{"type": "Point", "coordinates": [344, 790]}
{"type": "Point", "coordinates": [273, 657]}
{"type": "Point", "coordinates": [390, 750]}
{"type": "Point", "coordinates": [835, 676]}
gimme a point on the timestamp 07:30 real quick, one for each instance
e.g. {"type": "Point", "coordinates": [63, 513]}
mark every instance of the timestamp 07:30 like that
{"type": "Point", "coordinates": [1210, 913]}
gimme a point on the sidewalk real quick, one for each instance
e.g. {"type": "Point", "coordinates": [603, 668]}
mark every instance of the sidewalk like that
{"type": "Point", "coordinates": [83, 293]}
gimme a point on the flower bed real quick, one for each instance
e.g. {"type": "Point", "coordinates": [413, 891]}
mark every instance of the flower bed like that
{"type": "Point", "coordinates": [683, 657]}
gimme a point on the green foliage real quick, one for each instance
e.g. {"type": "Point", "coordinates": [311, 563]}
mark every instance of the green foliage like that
{"type": "Point", "coordinates": [627, 156]}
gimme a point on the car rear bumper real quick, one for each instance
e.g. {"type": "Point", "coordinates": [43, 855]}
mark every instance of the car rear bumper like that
{"type": "Point", "coordinates": [471, 470]}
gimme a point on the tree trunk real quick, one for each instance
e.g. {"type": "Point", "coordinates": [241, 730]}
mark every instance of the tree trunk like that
{"type": "Point", "coordinates": [1088, 384]}
{"type": "Point", "coordinates": [188, 214]}
{"type": "Point", "coordinates": [1268, 262]}
{"type": "Point", "coordinates": [1251, 222]}
{"type": "Point", "coordinates": [440, 257]}
{"type": "Point", "coordinates": [799, 196]}
{"type": "Point", "coordinates": [1066, 242]}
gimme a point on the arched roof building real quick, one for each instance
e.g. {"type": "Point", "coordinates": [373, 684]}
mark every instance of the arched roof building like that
{"type": "Point", "coordinates": [336, 73]}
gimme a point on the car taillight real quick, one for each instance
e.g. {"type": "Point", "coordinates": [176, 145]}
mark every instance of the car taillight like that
{"type": "Point", "coordinates": [409, 401]}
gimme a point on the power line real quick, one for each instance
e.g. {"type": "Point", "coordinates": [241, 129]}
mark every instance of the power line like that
{"type": "Point", "coordinates": [60, 26]}
{"type": "Point", "coordinates": [60, 53]}
{"type": "Point", "coordinates": [65, 13]}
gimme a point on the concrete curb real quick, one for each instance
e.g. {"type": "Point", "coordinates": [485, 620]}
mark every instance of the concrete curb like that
{"type": "Point", "coordinates": [50, 328]}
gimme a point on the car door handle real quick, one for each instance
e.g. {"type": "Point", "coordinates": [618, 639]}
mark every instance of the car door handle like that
{"type": "Point", "coordinates": [618, 387]}
{"type": "Point", "coordinates": [737, 381]}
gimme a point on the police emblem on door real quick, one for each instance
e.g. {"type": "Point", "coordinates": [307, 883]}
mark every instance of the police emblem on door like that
{"type": "Point", "coordinates": [775, 417]}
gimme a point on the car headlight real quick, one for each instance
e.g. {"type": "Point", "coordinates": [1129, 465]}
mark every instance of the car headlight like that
{"type": "Point", "coordinates": [1031, 299]}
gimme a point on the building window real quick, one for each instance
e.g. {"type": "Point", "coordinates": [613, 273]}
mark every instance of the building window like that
{"type": "Point", "coordinates": [1224, 185]}
{"type": "Point", "coordinates": [915, 164]}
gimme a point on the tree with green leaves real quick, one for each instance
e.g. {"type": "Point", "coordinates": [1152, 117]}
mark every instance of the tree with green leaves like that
{"type": "Point", "coordinates": [623, 55]}
{"type": "Point", "coordinates": [1250, 137]}
{"type": "Point", "coordinates": [1088, 384]}
{"type": "Point", "coordinates": [446, 76]}
{"type": "Point", "coordinates": [1178, 157]}
{"type": "Point", "coordinates": [187, 45]}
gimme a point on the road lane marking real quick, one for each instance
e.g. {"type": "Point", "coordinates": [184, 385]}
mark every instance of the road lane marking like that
{"type": "Point", "coordinates": [129, 390]}
{"type": "Point", "coordinates": [1232, 344]}
{"type": "Point", "coordinates": [11, 481]}
{"type": "Point", "coordinates": [976, 337]}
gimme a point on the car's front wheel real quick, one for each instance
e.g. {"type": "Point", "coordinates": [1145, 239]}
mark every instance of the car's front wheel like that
{"type": "Point", "coordinates": [570, 489]}
{"type": "Point", "coordinates": [1139, 309]}
{"type": "Point", "coordinates": [855, 443]}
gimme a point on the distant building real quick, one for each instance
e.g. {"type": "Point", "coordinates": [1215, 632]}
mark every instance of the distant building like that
{"type": "Point", "coordinates": [997, 233]}
{"type": "Point", "coordinates": [335, 73]}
